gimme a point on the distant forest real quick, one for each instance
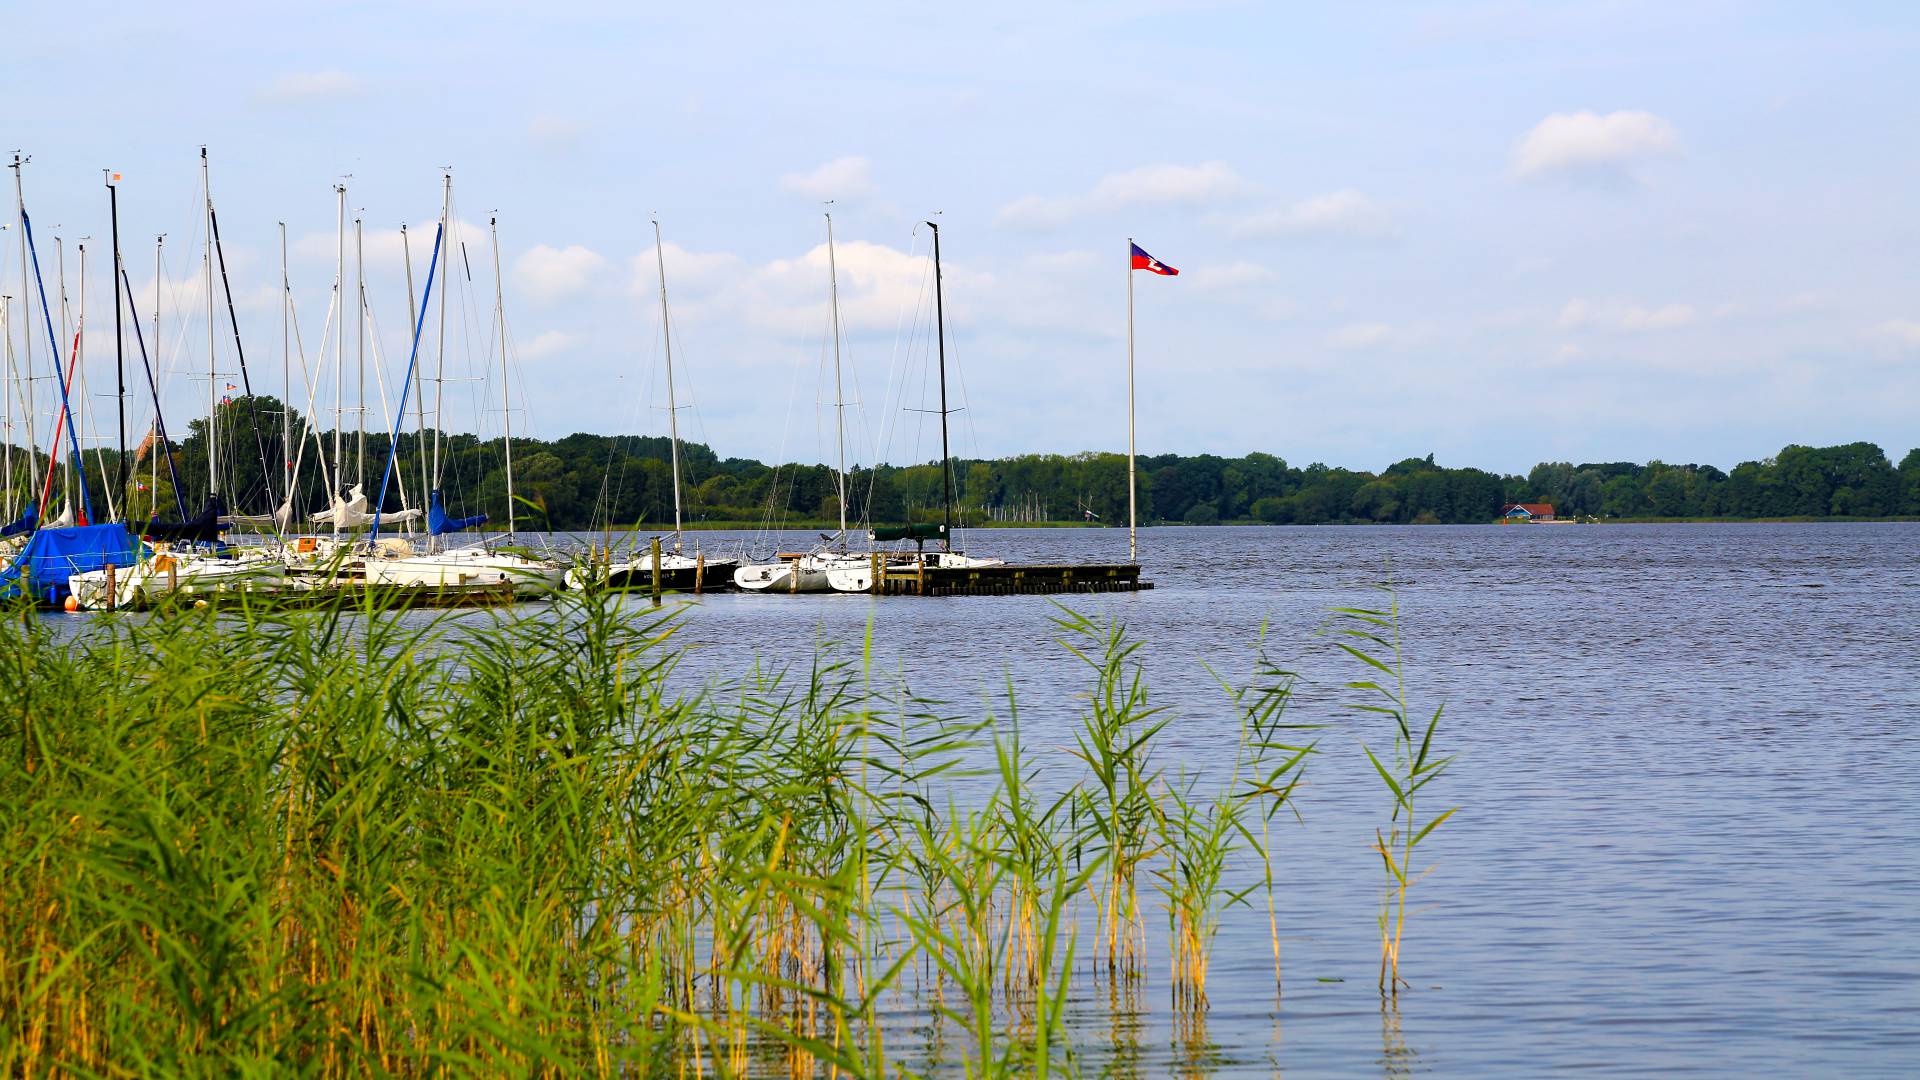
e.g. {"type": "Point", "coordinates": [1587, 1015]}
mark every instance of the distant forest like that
{"type": "Point", "coordinates": [597, 481]}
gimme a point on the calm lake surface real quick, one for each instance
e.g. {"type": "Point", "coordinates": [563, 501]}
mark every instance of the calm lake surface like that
{"type": "Point", "coordinates": [1688, 772]}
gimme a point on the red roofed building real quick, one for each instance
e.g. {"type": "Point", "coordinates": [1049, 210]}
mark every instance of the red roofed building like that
{"type": "Point", "coordinates": [1528, 512]}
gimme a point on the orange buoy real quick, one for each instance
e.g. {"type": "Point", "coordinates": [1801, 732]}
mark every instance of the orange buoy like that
{"type": "Point", "coordinates": [73, 602]}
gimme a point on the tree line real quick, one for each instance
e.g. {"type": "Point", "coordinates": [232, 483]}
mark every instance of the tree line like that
{"type": "Point", "coordinates": [584, 482]}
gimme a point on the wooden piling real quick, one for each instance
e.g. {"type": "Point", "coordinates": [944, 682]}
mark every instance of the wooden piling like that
{"type": "Point", "coordinates": [656, 571]}
{"type": "Point", "coordinates": [699, 571]}
{"type": "Point", "coordinates": [113, 593]}
{"type": "Point", "coordinates": [874, 582]}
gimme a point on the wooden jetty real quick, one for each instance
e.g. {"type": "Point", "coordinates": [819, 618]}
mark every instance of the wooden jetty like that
{"type": "Point", "coordinates": [1006, 579]}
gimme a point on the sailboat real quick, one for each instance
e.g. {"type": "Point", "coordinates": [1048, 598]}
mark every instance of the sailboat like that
{"type": "Point", "coordinates": [190, 556]}
{"type": "Point", "coordinates": [678, 571]}
{"type": "Point", "coordinates": [440, 565]}
{"type": "Point", "coordinates": [807, 573]}
{"type": "Point", "coordinates": [856, 575]}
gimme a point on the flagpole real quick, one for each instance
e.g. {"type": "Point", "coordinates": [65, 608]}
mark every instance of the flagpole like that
{"type": "Point", "coordinates": [1133, 545]}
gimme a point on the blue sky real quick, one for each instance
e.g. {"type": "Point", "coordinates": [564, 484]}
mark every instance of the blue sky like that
{"type": "Point", "coordinates": [1499, 233]}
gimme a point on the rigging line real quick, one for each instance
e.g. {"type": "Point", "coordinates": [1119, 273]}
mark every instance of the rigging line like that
{"type": "Point", "coordinates": [894, 369]}
{"type": "Point", "coordinates": [246, 382]}
{"type": "Point", "coordinates": [159, 417]}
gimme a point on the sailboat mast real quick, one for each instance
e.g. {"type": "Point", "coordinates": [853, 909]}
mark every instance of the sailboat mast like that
{"type": "Point", "coordinates": [673, 408]}
{"type": "Point", "coordinates": [26, 301]}
{"type": "Point", "coordinates": [940, 319]}
{"type": "Point", "coordinates": [159, 242]}
{"type": "Point", "coordinates": [419, 399]}
{"type": "Point", "coordinates": [286, 374]}
{"type": "Point", "coordinates": [6, 443]}
{"type": "Point", "coordinates": [360, 345]}
{"type": "Point", "coordinates": [440, 357]}
{"type": "Point", "coordinates": [66, 334]}
{"type": "Point", "coordinates": [213, 388]}
{"type": "Point", "coordinates": [506, 389]}
{"type": "Point", "coordinates": [339, 326]}
{"type": "Point", "coordinates": [839, 395]}
{"type": "Point", "coordinates": [119, 343]}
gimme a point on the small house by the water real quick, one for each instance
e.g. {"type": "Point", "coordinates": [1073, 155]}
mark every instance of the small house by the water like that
{"type": "Point", "coordinates": [1525, 512]}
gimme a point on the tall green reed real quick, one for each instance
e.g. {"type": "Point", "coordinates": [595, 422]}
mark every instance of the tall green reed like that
{"type": "Point", "coordinates": [1373, 637]}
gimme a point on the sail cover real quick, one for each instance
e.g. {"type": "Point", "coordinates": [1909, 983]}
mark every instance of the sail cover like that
{"type": "Point", "coordinates": [24, 524]}
{"type": "Point", "coordinates": [53, 555]}
{"type": "Point", "coordinates": [438, 522]}
{"type": "Point", "coordinates": [203, 527]}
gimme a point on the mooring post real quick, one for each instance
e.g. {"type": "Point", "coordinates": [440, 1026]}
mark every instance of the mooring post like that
{"type": "Point", "coordinates": [112, 593]}
{"type": "Point", "coordinates": [873, 581]}
{"type": "Point", "coordinates": [699, 571]}
{"type": "Point", "coordinates": [173, 575]}
{"type": "Point", "coordinates": [921, 574]}
{"type": "Point", "coordinates": [656, 571]}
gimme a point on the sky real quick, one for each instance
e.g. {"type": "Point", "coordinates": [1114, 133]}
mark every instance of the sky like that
{"type": "Point", "coordinates": [1497, 233]}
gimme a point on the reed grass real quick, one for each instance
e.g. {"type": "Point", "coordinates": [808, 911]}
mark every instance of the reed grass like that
{"type": "Point", "coordinates": [344, 842]}
{"type": "Point", "coordinates": [1374, 638]}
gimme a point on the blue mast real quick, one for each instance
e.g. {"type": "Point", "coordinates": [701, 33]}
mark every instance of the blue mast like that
{"type": "Point", "coordinates": [393, 441]}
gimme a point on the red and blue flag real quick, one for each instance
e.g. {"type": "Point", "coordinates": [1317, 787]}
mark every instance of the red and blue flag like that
{"type": "Point", "coordinates": [1144, 261]}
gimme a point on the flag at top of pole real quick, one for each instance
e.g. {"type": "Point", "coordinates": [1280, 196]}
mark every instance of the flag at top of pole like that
{"type": "Point", "coordinates": [1144, 261]}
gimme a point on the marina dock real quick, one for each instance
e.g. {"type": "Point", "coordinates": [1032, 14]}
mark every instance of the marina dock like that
{"type": "Point", "coordinates": [1008, 579]}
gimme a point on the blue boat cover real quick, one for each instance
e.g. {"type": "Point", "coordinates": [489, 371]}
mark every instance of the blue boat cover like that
{"type": "Point", "coordinates": [27, 518]}
{"type": "Point", "coordinates": [438, 522]}
{"type": "Point", "coordinates": [51, 555]}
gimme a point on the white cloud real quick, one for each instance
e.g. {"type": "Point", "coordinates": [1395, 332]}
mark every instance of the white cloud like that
{"type": "Point", "coordinates": [1904, 331]}
{"type": "Point", "coordinates": [1587, 144]}
{"type": "Point", "coordinates": [1578, 314]}
{"type": "Point", "coordinates": [841, 178]}
{"type": "Point", "coordinates": [547, 343]}
{"type": "Point", "coordinates": [1360, 336]}
{"type": "Point", "coordinates": [1338, 213]}
{"type": "Point", "coordinates": [548, 273]}
{"type": "Point", "coordinates": [312, 86]}
{"type": "Point", "coordinates": [1148, 185]}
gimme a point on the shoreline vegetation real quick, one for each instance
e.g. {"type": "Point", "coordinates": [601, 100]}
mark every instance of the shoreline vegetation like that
{"type": "Point", "coordinates": [584, 483]}
{"type": "Point", "coordinates": [305, 842]}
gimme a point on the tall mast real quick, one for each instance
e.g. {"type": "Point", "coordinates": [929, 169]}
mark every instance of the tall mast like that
{"type": "Point", "coordinates": [940, 318]}
{"type": "Point", "coordinates": [839, 396]}
{"type": "Point", "coordinates": [26, 327]}
{"type": "Point", "coordinates": [440, 356]}
{"type": "Point", "coordinates": [119, 343]}
{"type": "Point", "coordinates": [1133, 546]}
{"type": "Point", "coordinates": [360, 346]}
{"type": "Point", "coordinates": [673, 408]}
{"type": "Point", "coordinates": [339, 326]}
{"type": "Point", "coordinates": [159, 242]}
{"type": "Point", "coordinates": [506, 389]}
{"type": "Point", "coordinates": [66, 335]}
{"type": "Point", "coordinates": [213, 380]}
{"type": "Point", "coordinates": [419, 399]}
{"type": "Point", "coordinates": [286, 374]}
{"type": "Point", "coordinates": [6, 443]}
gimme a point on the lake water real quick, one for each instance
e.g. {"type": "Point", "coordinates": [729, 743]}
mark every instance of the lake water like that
{"type": "Point", "coordinates": [1688, 777]}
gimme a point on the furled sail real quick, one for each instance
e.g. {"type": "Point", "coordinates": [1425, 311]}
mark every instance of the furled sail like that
{"type": "Point", "coordinates": [351, 512]}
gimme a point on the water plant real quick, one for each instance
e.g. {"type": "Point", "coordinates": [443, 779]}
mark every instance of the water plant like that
{"type": "Point", "coordinates": [1373, 637]}
{"type": "Point", "coordinates": [349, 841]}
